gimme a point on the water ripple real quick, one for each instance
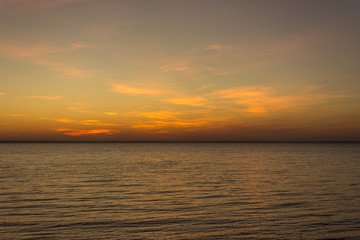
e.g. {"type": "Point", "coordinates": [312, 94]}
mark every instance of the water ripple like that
{"type": "Point", "coordinates": [179, 191]}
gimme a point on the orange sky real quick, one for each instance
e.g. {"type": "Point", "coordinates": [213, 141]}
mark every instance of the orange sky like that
{"type": "Point", "coordinates": [208, 70]}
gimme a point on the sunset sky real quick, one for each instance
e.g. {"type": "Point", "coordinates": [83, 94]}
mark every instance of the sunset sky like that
{"type": "Point", "coordinates": [179, 70]}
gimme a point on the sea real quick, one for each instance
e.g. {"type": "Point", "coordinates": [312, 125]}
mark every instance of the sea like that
{"type": "Point", "coordinates": [179, 190]}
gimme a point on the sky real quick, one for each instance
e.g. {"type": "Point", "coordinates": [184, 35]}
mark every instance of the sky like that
{"type": "Point", "coordinates": [179, 70]}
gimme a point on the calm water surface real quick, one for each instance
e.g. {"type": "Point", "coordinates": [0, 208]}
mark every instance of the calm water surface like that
{"type": "Point", "coordinates": [179, 191]}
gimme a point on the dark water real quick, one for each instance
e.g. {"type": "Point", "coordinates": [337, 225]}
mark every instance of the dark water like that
{"type": "Point", "coordinates": [179, 191]}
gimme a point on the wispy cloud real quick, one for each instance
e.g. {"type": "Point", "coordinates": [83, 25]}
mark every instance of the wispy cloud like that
{"type": "Point", "coordinates": [15, 115]}
{"type": "Point", "coordinates": [81, 110]}
{"type": "Point", "coordinates": [232, 59]}
{"type": "Point", "coordinates": [111, 113]}
{"type": "Point", "coordinates": [215, 47]}
{"type": "Point", "coordinates": [51, 98]}
{"type": "Point", "coordinates": [190, 101]}
{"type": "Point", "coordinates": [188, 120]}
{"type": "Point", "coordinates": [155, 114]}
{"type": "Point", "coordinates": [261, 99]}
{"type": "Point", "coordinates": [227, 59]}
{"type": "Point", "coordinates": [37, 51]}
{"type": "Point", "coordinates": [183, 62]}
{"type": "Point", "coordinates": [126, 89]}
{"type": "Point", "coordinates": [179, 65]}
{"type": "Point", "coordinates": [256, 110]}
{"type": "Point", "coordinates": [90, 122]}
{"type": "Point", "coordinates": [79, 107]}
{"type": "Point", "coordinates": [78, 132]}
{"type": "Point", "coordinates": [260, 48]}
{"type": "Point", "coordinates": [162, 124]}
{"type": "Point", "coordinates": [43, 55]}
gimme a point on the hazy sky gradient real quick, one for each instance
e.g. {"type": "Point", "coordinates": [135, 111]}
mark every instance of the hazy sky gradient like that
{"type": "Point", "coordinates": [179, 70]}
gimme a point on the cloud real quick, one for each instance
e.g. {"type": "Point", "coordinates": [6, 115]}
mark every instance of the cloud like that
{"type": "Point", "coordinates": [110, 113]}
{"type": "Point", "coordinates": [51, 98]}
{"type": "Point", "coordinates": [85, 122]}
{"type": "Point", "coordinates": [260, 48]}
{"type": "Point", "coordinates": [227, 59]}
{"type": "Point", "coordinates": [189, 119]}
{"type": "Point", "coordinates": [75, 46]}
{"type": "Point", "coordinates": [190, 101]}
{"type": "Point", "coordinates": [15, 115]}
{"type": "Point", "coordinates": [162, 124]}
{"type": "Point", "coordinates": [178, 65]}
{"type": "Point", "coordinates": [75, 72]}
{"type": "Point", "coordinates": [1, 93]}
{"type": "Point", "coordinates": [38, 50]}
{"type": "Point", "coordinates": [43, 54]}
{"type": "Point", "coordinates": [120, 88]}
{"type": "Point", "coordinates": [185, 62]}
{"type": "Point", "coordinates": [215, 47]}
{"type": "Point", "coordinates": [78, 132]}
{"type": "Point", "coordinates": [232, 59]}
{"type": "Point", "coordinates": [261, 99]}
{"type": "Point", "coordinates": [256, 110]}
{"type": "Point", "coordinates": [78, 109]}
{"type": "Point", "coordinates": [244, 92]}
{"type": "Point", "coordinates": [155, 114]}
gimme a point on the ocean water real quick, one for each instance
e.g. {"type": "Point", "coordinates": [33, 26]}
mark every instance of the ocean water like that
{"type": "Point", "coordinates": [179, 191]}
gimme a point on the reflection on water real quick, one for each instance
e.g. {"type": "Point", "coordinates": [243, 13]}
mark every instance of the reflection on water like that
{"type": "Point", "coordinates": [179, 191]}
